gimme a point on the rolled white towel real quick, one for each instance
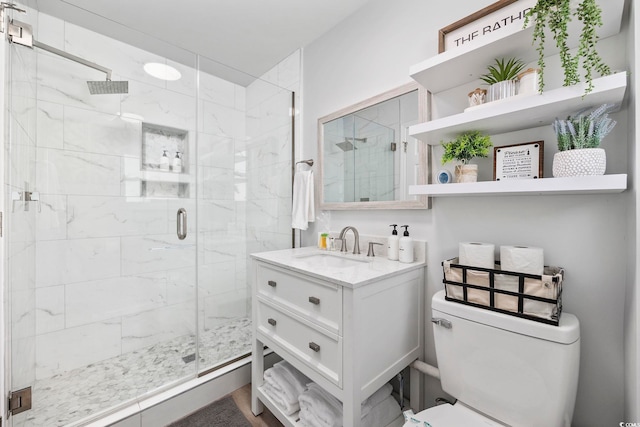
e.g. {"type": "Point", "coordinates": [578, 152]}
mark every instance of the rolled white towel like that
{"type": "Point", "coordinates": [376, 398]}
{"type": "Point", "coordinates": [319, 408]}
{"type": "Point", "coordinates": [285, 383]}
{"type": "Point", "coordinates": [294, 377]}
{"type": "Point", "coordinates": [383, 413]}
{"type": "Point", "coordinates": [309, 419]}
{"type": "Point", "coordinates": [278, 397]}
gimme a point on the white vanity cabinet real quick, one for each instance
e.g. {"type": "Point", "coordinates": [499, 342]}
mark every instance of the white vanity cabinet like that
{"type": "Point", "coordinates": [350, 330]}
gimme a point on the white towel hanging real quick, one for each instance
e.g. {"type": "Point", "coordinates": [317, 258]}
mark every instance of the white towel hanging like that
{"type": "Point", "coordinates": [302, 210]}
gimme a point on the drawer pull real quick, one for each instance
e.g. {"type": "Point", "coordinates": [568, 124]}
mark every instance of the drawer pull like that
{"type": "Point", "coordinates": [271, 321]}
{"type": "Point", "coordinates": [313, 346]}
{"type": "Point", "coordinates": [272, 283]}
{"type": "Point", "coordinates": [314, 300]}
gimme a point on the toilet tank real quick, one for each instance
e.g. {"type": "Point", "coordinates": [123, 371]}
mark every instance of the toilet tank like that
{"type": "Point", "coordinates": [518, 371]}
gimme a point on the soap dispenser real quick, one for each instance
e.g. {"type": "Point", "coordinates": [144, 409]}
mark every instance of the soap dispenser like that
{"type": "Point", "coordinates": [164, 161]}
{"type": "Point", "coordinates": [405, 250]}
{"type": "Point", "coordinates": [177, 163]}
{"type": "Point", "coordinates": [393, 244]}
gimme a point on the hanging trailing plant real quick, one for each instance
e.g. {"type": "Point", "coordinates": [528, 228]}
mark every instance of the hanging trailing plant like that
{"type": "Point", "coordinates": [555, 15]}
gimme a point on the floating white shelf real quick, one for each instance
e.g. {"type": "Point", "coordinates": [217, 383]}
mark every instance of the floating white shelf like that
{"type": "Point", "coordinates": [460, 66]}
{"type": "Point", "coordinates": [464, 64]}
{"type": "Point", "coordinates": [522, 112]}
{"type": "Point", "coordinates": [286, 420]}
{"type": "Point", "coordinates": [545, 186]}
{"type": "Point", "coordinates": [165, 176]}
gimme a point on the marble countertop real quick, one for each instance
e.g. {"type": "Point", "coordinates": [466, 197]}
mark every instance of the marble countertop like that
{"type": "Point", "coordinates": [363, 271]}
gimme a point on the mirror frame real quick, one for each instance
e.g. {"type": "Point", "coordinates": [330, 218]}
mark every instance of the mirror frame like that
{"type": "Point", "coordinates": [422, 201]}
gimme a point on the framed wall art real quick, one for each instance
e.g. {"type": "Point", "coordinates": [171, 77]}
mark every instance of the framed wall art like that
{"type": "Point", "coordinates": [518, 161]}
{"type": "Point", "coordinates": [504, 17]}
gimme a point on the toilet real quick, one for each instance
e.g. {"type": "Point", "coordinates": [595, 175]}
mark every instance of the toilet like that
{"type": "Point", "coordinates": [503, 370]}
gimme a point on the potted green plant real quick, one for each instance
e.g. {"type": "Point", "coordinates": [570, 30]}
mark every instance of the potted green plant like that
{"type": "Point", "coordinates": [579, 138]}
{"type": "Point", "coordinates": [555, 16]}
{"type": "Point", "coordinates": [465, 147]}
{"type": "Point", "coordinates": [502, 78]}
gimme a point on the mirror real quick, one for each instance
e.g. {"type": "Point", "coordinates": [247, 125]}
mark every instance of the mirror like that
{"type": "Point", "coordinates": [367, 158]}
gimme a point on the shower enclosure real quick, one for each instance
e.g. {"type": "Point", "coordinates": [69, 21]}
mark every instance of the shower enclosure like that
{"type": "Point", "coordinates": [126, 274]}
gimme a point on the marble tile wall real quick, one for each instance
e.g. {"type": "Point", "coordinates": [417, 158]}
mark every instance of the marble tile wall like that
{"type": "Point", "coordinates": [268, 152]}
{"type": "Point", "coordinates": [221, 228]}
{"type": "Point", "coordinates": [252, 210]}
{"type": "Point", "coordinates": [268, 155]}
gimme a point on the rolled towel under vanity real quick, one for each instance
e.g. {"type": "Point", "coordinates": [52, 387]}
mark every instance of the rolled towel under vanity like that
{"type": "Point", "coordinates": [283, 384]}
{"type": "Point", "coordinates": [318, 408]}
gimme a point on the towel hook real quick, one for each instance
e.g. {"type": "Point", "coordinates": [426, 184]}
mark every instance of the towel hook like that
{"type": "Point", "coordinates": [307, 162]}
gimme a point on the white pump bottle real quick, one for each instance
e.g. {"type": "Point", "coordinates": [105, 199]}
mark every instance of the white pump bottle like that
{"type": "Point", "coordinates": [405, 250]}
{"type": "Point", "coordinates": [393, 244]}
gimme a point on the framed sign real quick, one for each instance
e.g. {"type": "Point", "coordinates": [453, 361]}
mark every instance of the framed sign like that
{"type": "Point", "coordinates": [503, 16]}
{"type": "Point", "coordinates": [519, 161]}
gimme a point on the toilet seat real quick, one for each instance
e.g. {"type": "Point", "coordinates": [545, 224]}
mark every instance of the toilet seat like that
{"type": "Point", "coordinates": [447, 415]}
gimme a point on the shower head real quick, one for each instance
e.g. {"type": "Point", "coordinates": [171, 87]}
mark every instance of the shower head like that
{"type": "Point", "coordinates": [349, 143]}
{"type": "Point", "coordinates": [346, 145]}
{"type": "Point", "coordinates": [108, 87]}
{"type": "Point", "coordinates": [95, 87]}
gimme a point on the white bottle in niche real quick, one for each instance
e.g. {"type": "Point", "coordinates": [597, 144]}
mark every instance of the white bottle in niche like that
{"type": "Point", "coordinates": [393, 244]}
{"type": "Point", "coordinates": [405, 251]}
{"type": "Point", "coordinates": [164, 161]}
{"type": "Point", "coordinates": [177, 163]}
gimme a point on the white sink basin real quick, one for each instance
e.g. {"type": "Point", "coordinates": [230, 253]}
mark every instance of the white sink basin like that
{"type": "Point", "coordinates": [327, 260]}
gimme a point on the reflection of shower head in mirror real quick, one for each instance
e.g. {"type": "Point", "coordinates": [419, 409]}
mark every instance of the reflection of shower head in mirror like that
{"type": "Point", "coordinates": [347, 144]}
{"type": "Point", "coordinates": [375, 172]}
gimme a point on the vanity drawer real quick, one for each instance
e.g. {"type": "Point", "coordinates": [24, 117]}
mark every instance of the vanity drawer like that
{"type": "Point", "coordinates": [319, 349]}
{"type": "Point", "coordinates": [319, 302]}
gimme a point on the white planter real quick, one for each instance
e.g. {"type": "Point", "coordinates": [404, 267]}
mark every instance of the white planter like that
{"type": "Point", "coordinates": [585, 161]}
{"type": "Point", "coordinates": [529, 82]}
{"type": "Point", "coordinates": [466, 173]}
{"type": "Point", "coordinates": [501, 90]}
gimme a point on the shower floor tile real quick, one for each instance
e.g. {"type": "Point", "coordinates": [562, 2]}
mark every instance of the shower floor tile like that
{"type": "Point", "coordinates": [79, 393]}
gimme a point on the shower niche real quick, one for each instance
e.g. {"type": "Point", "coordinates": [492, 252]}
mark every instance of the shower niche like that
{"type": "Point", "coordinates": [164, 162]}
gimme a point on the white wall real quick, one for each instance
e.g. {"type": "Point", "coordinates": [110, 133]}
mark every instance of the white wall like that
{"type": "Point", "coordinates": [371, 52]}
{"type": "Point", "coordinates": [632, 385]}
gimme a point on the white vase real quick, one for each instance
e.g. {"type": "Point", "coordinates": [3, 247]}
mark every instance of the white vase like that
{"type": "Point", "coordinates": [584, 161]}
{"type": "Point", "coordinates": [501, 90]}
{"type": "Point", "coordinates": [466, 173]}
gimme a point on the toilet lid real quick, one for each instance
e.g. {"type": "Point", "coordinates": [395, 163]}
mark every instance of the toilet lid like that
{"type": "Point", "coordinates": [446, 415]}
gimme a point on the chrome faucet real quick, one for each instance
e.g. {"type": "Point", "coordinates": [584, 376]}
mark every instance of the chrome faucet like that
{"type": "Point", "coordinates": [356, 243]}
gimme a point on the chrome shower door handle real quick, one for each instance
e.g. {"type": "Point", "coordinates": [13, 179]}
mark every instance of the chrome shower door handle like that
{"type": "Point", "coordinates": [181, 223]}
{"type": "Point", "coordinates": [441, 322]}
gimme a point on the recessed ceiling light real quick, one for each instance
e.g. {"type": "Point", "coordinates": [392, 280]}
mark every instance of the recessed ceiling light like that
{"type": "Point", "coordinates": [162, 71]}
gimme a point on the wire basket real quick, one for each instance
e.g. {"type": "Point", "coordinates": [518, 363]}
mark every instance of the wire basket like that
{"type": "Point", "coordinates": [528, 296]}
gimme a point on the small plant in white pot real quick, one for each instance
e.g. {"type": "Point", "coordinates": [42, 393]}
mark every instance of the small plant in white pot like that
{"type": "Point", "coordinates": [502, 78]}
{"type": "Point", "coordinates": [464, 148]}
{"type": "Point", "coordinates": [579, 138]}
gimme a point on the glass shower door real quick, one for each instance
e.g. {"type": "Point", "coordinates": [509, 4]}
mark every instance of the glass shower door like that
{"type": "Point", "coordinates": [101, 243]}
{"type": "Point", "coordinates": [244, 202]}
